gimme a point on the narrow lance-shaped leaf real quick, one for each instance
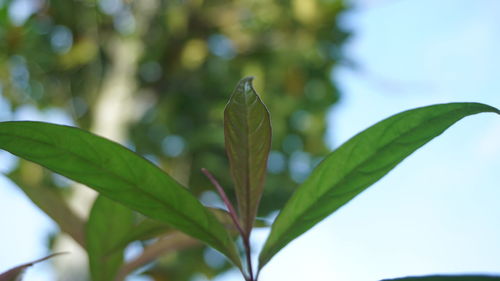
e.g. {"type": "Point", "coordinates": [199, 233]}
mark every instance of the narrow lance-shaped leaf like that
{"type": "Point", "coordinates": [16, 273]}
{"type": "Point", "coordinates": [247, 132]}
{"type": "Point", "coordinates": [117, 173]}
{"type": "Point", "coordinates": [359, 163]}
{"type": "Point", "coordinates": [108, 223]}
{"type": "Point", "coordinates": [448, 278]}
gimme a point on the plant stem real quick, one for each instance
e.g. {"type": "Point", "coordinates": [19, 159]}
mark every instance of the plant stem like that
{"type": "Point", "coordinates": [173, 242]}
{"type": "Point", "coordinates": [235, 219]}
{"type": "Point", "coordinates": [223, 195]}
{"type": "Point", "coordinates": [248, 252]}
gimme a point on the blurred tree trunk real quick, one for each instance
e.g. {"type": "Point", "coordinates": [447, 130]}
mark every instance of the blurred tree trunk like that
{"type": "Point", "coordinates": [167, 76]}
{"type": "Point", "coordinates": [112, 114]}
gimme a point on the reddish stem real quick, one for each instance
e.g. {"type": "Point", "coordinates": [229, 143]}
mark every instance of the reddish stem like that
{"type": "Point", "coordinates": [230, 208]}
{"type": "Point", "coordinates": [234, 217]}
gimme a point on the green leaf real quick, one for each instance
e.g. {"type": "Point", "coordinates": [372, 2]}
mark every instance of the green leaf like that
{"type": "Point", "coordinates": [117, 173]}
{"type": "Point", "coordinates": [108, 223]}
{"type": "Point", "coordinates": [448, 278]}
{"type": "Point", "coordinates": [359, 163]}
{"type": "Point", "coordinates": [247, 132]}
{"type": "Point", "coordinates": [144, 229]}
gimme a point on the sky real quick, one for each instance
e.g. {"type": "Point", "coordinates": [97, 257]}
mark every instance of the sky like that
{"type": "Point", "coordinates": [437, 212]}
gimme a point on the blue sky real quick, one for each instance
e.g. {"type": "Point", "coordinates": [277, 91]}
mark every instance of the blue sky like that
{"type": "Point", "coordinates": [437, 212]}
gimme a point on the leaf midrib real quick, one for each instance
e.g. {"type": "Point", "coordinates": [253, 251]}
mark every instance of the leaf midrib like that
{"type": "Point", "coordinates": [135, 186]}
{"type": "Point", "coordinates": [248, 163]}
{"type": "Point", "coordinates": [349, 174]}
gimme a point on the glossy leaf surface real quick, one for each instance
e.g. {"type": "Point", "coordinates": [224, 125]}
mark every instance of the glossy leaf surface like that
{"type": "Point", "coordinates": [448, 278]}
{"type": "Point", "coordinates": [359, 163]}
{"type": "Point", "coordinates": [117, 173]}
{"type": "Point", "coordinates": [108, 223]}
{"type": "Point", "coordinates": [247, 132]}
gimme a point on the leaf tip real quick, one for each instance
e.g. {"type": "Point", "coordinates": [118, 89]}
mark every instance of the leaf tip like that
{"type": "Point", "coordinates": [245, 84]}
{"type": "Point", "coordinates": [248, 79]}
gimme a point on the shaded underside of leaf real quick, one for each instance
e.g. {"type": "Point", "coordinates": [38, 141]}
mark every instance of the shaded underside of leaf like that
{"type": "Point", "coordinates": [359, 163]}
{"type": "Point", "coordinates": [247, 133]}
{"type": "Point", "coordinates": [117, 173]}
{"type": "Point", "coordinates": [108, 223]}
{"type": "Point", "coordinates": [448, 278]}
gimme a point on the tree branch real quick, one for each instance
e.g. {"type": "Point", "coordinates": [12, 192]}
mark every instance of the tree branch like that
{"type": "Point", "coordinates": [164, 245]}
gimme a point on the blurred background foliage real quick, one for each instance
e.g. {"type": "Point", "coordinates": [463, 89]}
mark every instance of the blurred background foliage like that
{"type": "Point", "coordinates": [156, 75]}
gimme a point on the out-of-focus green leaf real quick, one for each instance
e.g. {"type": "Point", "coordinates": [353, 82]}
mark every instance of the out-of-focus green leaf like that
{"type": "Point", "coordinates": [171, 241]}
{"type": "Point", "coordinates": [108, 223]}
{"type": "Point", "coordinates": [15, 274]}
{"type": "Point", "coordinates": [359, 163]}
{"type": "Point", "coordinates": [163, 246]}
{"type": "Point", "coordinates": [448, 278]}
{"type": "Point", "coordinates": [117, 173]}
{"type": "Point", "coordinates": [145, 229]}
{"type": "Point", "coordinates": [247, 131]}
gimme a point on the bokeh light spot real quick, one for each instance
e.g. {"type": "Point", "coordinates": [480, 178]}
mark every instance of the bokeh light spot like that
{"type": "Point", "coordinates": [173, 145]}
{"type": "Point", "coordinates": [276, 162]}
{"type": "Point", "coordinates": [61, 39]}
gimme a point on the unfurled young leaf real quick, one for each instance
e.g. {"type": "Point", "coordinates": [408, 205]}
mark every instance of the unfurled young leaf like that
{"type": "Point", "coordinates": [118, 174]}
{"type": "Point", "coordinates": [15, 274]}
{"type": "Point", "coordinates": [359, 163]}
{"type": "Point", "coordinates": [108, 223]}
{"type": "Point", "coordinates": [448, 278]}
{"type": "Point", "coordinates": [247, 132]}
